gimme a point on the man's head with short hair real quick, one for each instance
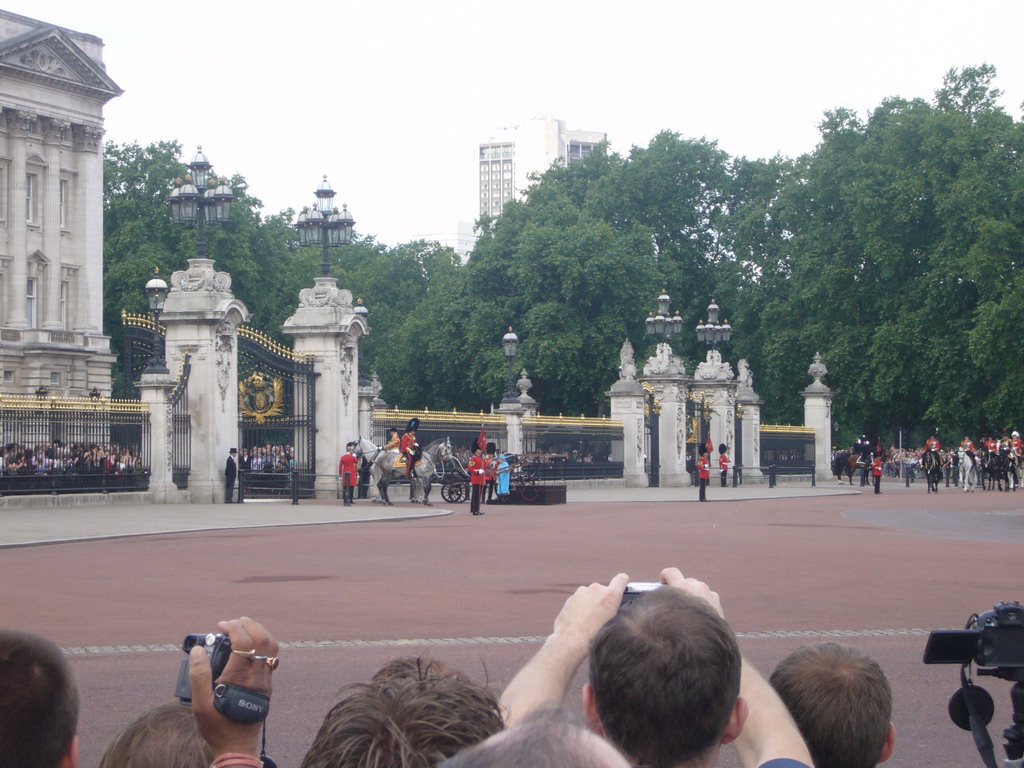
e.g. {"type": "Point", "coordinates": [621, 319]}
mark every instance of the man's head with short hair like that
{"type": "Point", "coordinates": [842, 703]}
{"type": "Point", "coordinates": [162, 737]}
{"type": "Point", "coordinates": [414, 714]}
{"type": "Point", "coordinates": [664, 680]}
{"type": "Point", "coordinates": [38, 703]}
{"type": "Point", "coordinates": [549, 739]}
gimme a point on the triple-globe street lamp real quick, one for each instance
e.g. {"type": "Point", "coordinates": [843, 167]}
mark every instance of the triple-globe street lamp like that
{"type": "Point", "coordinates": [714, 333]}
{"type": "Point", "coordinates": [662, 324]}
{"type": "Point", "coordinates": [325, 225]}
{"type": "Point", "coordinates": [200, 199]}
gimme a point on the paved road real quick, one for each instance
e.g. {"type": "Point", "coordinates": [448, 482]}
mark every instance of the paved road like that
{"type": "Point", "coordinates": [793, 566]}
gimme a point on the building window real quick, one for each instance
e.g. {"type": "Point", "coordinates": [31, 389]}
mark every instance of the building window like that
{"type": "Point", "coordinates": [54, 379]}
{"type": "Point", "coordinates": [65, 201]}
{"type": "Point", "coordinates": [30, 302]}
{"type": "Point", "coordinates": [31, 194]}
{"type": "Point", "coordinates": [65, 288]}
{"type": "Point", "coordinates": [8, 377]}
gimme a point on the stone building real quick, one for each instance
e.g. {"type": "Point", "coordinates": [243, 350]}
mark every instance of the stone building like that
{"type": "Point", "coordinates": [53, 86]}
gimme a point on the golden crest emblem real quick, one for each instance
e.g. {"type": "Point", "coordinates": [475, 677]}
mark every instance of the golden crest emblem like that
{"type": "Point", "coordinates": [260, 398]}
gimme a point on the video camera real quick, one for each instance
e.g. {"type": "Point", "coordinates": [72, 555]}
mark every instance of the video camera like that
{"type": "Point", "coordinates": [994, 642]}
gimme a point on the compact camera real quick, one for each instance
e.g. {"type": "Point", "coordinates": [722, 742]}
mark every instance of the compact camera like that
{"type": "Point", "coordinates": [218, 647]}
{"type": "Point", "coordinates": [992, 639]}
{"type": "Point", "coordinates": [637, 589]}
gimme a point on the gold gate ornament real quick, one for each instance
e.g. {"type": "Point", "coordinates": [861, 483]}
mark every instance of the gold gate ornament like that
{"type": "Point", "coordinates": [260, 399]}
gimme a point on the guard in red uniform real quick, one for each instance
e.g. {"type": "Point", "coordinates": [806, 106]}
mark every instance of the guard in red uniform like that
{"type": "Point", "coordinates": [876, 470]}
{"type": "Point", "coordinates": [349, 472]}
{"type": "Point", "coordinates": [1016, 444]}
{"type": "Point", "coordinates": [477, 468]}
{"type": "Point", "coordinates": [723, 463]}
{"type": "Point", "coordinates": [933, 444]}
{"type": "Point", "coordinates": [411, 448]}
{"type": "Point", "coordinates": [704, 472]}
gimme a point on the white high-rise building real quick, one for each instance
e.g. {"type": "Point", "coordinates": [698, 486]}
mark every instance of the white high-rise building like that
{"type": "Point", "coordinates": [508, 158]}
{"type": "Point", "coordinates": [53, 86]}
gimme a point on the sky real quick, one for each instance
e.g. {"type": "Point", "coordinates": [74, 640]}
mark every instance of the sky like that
{"type": "Point", "coordinates": [390, 99]}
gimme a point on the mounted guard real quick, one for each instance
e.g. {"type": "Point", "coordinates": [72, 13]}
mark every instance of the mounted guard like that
{"type": "Point", "coordinates": [410, 448]}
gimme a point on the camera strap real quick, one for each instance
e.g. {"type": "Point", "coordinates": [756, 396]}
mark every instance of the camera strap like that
{"type": "Point", "coordinates": [978, 721]}
{"type": "Point", "coordinates": [242, 704]}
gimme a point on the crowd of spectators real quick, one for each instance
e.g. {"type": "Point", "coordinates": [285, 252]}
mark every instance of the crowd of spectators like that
{"type": "Point", "coordinates": [267, 458]}
{"type": "Point", "coordinates": [667, 688]}
{"type": "Point", "coordinates": [70, 466]}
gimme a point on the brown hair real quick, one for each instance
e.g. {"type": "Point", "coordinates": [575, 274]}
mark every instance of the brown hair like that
{"type": "Point", "coordinates": [666, 675]}
{"type": "Point", "coordinates": [840, 699]}
{"type": "Point", "coordinates": [38, 701]}
{"type": "Point", "coordinates": [414, 714]}
{"type": "Point", "coordinates": [162, 737]}
{"type": "Point", "coordinates": [547, 739]}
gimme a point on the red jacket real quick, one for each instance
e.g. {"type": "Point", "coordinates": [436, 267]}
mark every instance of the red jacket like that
{"type": "Point", "coordinates": [876, 467]}
{"type": "Point", "coordinates": [704, 466]}
{"type": "Point", "coordinates": [347, 469]}
{"type": "Point", "coordinates": [408, 441]}
{"type": "Point", "coordinates": [477, 477]}
{"type": "Point", "coordinates": [723, 463]}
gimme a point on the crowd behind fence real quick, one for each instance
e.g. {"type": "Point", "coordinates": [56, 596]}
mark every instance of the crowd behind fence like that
{"type": "Point", "coordinates": [73, 445]}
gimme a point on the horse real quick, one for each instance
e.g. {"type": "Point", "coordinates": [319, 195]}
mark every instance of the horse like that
{"type": "Point", "coordinates": [383, 469]}
{"type": "Point", "coordinates": [931, 461]}
{"type": "Point", "coordinates": [846, 463]}
{"type": "Point", "coordinates": [969, 470]}
{"type": "Point", "coordinates": [992, 470]}
{"type": "Point", "coordinates": [1008, 463]}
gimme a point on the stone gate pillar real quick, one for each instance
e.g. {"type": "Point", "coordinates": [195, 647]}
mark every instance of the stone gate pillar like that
{"type": "Point", "coordinates": [155, 390]}
{"type": "Point", "coordinates": [202, 315]}
{"type": "Point", "coordinates": [665, 374]}
{"type": "Point", "coordinates": [714, 384]}
{"type": "Point", "coordinates": [750, 421]}
{"type": "Point", "coordinates": [326, 326]}
{"type": "Point", "coordinates": [627, 405]}
{"type": "Point", "coordinates": [818, 416]}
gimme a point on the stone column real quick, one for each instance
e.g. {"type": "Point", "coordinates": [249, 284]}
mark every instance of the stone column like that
{"type": "Point", "coordinates": [49, 301]}
{"type": "Point", "coordinates": [18, 122]}
{"type": "Point", "coordinates": [155, 389]}
{"type": "Point", "coordinates": [627, 405]}
{"type": "Point", "coordinates": [202, 315]}
{"type": "Point", "coordinates": [818, 416]}
{"type": "Point", "coordinates": [326, 326]}
{"type": "Point", "coordinates": [665, 374]}
{"type": "Point", "coordinates": [750, 422]}
{"type": "Point", "coordinates": [513, 413]}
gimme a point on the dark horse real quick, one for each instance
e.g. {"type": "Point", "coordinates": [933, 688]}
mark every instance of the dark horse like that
{"type": "Point", "coordinates": [931, 462]}
{"type": "Point", "coordinates": [847, 463]}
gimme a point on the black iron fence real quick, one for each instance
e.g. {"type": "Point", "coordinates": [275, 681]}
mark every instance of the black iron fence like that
{"type": "Point", "coordinates": [73, 445]}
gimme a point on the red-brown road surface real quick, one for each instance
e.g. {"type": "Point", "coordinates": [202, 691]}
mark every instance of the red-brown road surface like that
{"type": "Point", "coordinates": [477, 592]}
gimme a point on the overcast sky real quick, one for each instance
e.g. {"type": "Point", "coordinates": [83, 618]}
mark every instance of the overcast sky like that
{"type": "Point", "coordinates": [390, 99]}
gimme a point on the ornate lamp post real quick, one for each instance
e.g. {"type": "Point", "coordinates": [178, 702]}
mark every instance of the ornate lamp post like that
{"type": "Point", "coordinates": [510, 345]}
{"type": "Point", "coordinates": [325, 225]}
{"type": "Point", "coordinates": [201, 198]}
{"type": "Point", "coordinates": [714, 333]}
{"type": "Point", "coordinates": [661, 324]}
{"type": "Point", "coordinates": [156, 292]}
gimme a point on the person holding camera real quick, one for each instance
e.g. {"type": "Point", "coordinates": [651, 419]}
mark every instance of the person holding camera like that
{"type": "Point", "coordinates": [668, 685]}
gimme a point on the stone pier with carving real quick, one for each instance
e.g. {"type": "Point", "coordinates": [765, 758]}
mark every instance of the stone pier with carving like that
{"type": "Point", "coordinates": [666, 375]}
{"type": "Point", "coordinates": [818, 416]}
{"type": "Point", "coordinates": [202, 316]}
{"type": "Point", "coordinates": [326, 326]}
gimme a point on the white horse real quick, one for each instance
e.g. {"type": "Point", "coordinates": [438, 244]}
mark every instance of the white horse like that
{"type": "Point", "coordinates": [383, 468]}
{"type": "Point", "coordinates": [969, 471]}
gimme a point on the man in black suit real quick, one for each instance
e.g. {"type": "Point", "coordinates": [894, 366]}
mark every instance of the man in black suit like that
{"type": "Point", "coordinates": [230, 473]}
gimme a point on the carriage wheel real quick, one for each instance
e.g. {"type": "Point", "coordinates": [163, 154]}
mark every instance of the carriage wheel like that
{"type": "Point", "coordinates": [453, 493]}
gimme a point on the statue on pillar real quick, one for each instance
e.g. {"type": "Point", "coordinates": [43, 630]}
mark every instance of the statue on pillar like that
{"type": "Point", "coordinates": [627, 368]}
{"type": "Point", "coordinates": [664, 363]}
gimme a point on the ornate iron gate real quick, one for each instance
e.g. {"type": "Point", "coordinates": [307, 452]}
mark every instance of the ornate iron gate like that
{"type": "Point", "coordinates": [137, 343]}
{"type": "Point", "coordinates": [181, 427]}
{"type": "Point", "coordinates": [652, 412]}
{"type": "Point", "coordinates": [276, 416]}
